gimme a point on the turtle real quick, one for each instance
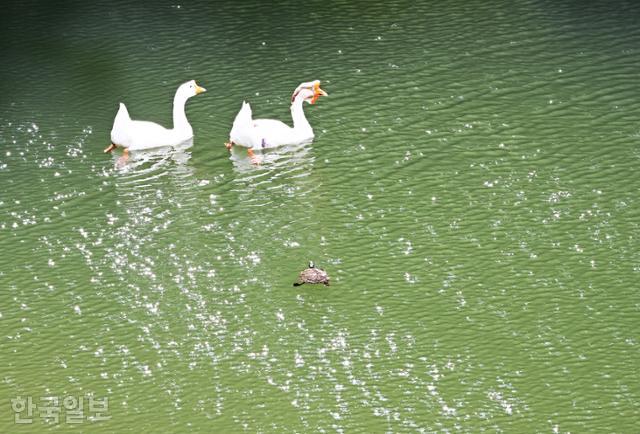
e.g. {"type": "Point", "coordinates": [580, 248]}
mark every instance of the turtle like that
{"type": "Point", "coordinates": [312, 275]}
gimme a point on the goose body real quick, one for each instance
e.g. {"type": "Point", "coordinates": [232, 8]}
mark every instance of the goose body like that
{"type": "Point", "coordinates": [134, 135]}
{"type": "Point", "coordinates": [269, 133]}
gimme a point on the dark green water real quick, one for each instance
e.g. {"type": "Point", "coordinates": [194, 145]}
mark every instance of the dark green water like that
{"type": "Point", "coordinates": [472, 191]}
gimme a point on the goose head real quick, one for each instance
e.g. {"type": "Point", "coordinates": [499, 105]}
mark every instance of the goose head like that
{"type": "Point", "coordinates": [189, 89]}
{"type": "Point", "coordinates": [309, 91]}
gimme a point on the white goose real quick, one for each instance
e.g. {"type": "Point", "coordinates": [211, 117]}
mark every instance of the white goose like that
{"type": "Point", "coordinates": [137, 135]}
{"type": "Point", "coordinates": [269, 133]}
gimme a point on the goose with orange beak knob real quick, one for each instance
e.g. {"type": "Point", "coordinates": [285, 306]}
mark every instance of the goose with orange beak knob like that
{"type": "Point", "coordinates": [257, 134]}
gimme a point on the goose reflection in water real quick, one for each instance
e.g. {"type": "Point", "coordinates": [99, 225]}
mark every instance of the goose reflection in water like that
{"type": "Point", "coordinates": [272, 159]}
{"type": "Point", "coordinates": [157, 157]}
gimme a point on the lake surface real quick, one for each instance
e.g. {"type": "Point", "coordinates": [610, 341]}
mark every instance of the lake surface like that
{"type": "Point", "coordinates": [472, 191]}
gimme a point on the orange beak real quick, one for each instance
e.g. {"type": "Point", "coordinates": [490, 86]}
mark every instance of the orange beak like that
{"type": "Point", "coordinates": [110, 148]}
{"type": "Point", "coordinates": [200, 89]}
{"type": "Point", "coordinates": [317, 92]}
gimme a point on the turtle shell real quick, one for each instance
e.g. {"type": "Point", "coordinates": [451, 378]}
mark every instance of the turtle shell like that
{"type": "Point", "coordinates": [313, 275]}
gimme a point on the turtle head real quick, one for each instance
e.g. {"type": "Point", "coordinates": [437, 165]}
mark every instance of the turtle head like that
{"type": "Point", "coordinates": [311, 264]}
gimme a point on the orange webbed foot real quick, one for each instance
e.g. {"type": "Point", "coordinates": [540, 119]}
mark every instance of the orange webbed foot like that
{"type": "Point", "coordinates": [255, 159]}
{"type": "Point", "coordinates": [122, 161]}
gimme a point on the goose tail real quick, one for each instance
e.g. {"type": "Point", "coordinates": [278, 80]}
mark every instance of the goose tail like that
{"type": "Point", "coordinates": [243, 132]}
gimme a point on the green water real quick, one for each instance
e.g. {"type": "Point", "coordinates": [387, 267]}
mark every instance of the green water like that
{"type": "Point", "coordinates": [472, 191]}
